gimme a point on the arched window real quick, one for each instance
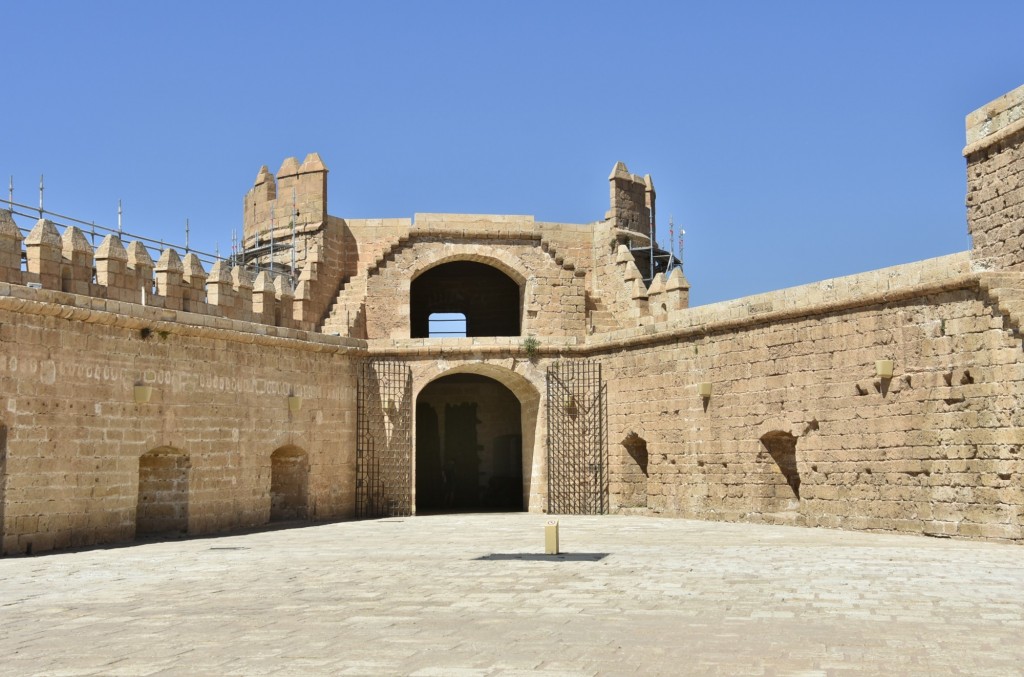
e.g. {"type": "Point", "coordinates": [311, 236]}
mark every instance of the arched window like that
{"type": "Point", "coordinates": [488, 299]}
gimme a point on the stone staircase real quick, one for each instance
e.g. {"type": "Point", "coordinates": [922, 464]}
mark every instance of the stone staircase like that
{"type": "Point", "coordinates": [599, 318]}
{"type": "Point", "coordinates": [1005, 292]}
{"type": "Point", "coordinates": [346, 316]}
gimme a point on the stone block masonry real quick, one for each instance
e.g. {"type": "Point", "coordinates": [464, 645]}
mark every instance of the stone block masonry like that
{"type": "Point", "coordinates": [87, 463]}
{"type": "Point", "coordinates": [142, 398]}
{"type": "Point", "coordinates": [995, 181]}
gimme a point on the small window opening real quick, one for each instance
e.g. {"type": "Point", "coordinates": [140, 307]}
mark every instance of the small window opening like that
{"type": "Point", "coordinates": [447, 325]}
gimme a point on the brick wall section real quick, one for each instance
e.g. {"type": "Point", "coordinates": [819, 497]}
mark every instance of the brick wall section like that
{"type": "Point", "coordinates": [375, 303]}
{"type": "Point", "coordinates": [220, 396]}
{"type": "Point", "coordinates": [936, 450]}
{"type": "Point", "coordinates": [995, 181]}
{"type": "Point", "coordinates": [552, 297]}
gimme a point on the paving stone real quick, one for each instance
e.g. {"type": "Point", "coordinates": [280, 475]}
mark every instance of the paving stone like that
{"type": "Point", "coordinates": [414, 597]}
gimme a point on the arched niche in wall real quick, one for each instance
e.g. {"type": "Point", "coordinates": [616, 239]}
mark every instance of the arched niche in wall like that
{"type": "Point", "coordinates": [634, 472]}
{"type": "Point", "coordinates": [162, 507]}
{"type": "Point", "coordinates": [781, 447]}
{"type": "Point", "coordinates": [490, 300]}
{"type": "Point", "coordinates": [289, 484]}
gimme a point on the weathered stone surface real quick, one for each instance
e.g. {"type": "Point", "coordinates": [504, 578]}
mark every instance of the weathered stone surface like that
{"type": "Point", "coordinates": [768, 408]}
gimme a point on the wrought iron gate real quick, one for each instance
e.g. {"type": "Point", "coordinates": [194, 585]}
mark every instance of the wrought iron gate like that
{"type": "Point", "coordinates": [384, 439]}
{"type": "Point", "coordinates": [577, 439]}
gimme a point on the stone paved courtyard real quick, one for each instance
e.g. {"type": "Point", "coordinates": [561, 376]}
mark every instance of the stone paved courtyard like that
{"type": "Point", "coordinates": [474, 595]}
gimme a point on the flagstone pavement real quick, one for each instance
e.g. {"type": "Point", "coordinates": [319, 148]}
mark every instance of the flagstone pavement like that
{"type": "Point", "coordinates": [475, 595]}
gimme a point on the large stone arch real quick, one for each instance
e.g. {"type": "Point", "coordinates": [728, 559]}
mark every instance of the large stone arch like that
{"type": "Point", "coordinates": [527, 390]}
{"type": "Point", "coordinates": [510, 264]}
{"type": "Point", "coordinates": [552, 295]}
{"type": "Point", "coordinates": [487, 299]}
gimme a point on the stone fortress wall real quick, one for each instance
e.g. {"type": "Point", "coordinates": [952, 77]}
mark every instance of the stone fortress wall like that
{"type": "Point", "coordinates": [251, 412]}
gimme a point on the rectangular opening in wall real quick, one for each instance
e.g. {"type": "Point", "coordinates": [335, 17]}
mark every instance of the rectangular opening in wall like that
{"type": "Point", "coordinates": [447, 325]}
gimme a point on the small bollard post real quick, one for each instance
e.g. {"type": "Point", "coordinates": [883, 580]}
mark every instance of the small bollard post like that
{"type": "Point", "coordinates": [551, 537]}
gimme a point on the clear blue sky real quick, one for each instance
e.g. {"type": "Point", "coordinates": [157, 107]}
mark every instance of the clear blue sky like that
{"type": "Point", "coordinates": [794, 141]}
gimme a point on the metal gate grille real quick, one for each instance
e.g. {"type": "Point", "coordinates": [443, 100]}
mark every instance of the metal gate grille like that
{"type": "Point", "coordinates": [384, 439]}
{"type": "Point", "coordinates": [577, 441]}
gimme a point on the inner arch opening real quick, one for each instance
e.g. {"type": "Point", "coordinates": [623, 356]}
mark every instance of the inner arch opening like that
{"type": "Point", "coordinates": [490, 300]}
{"type": "Point", "coordinates": [469, 446]}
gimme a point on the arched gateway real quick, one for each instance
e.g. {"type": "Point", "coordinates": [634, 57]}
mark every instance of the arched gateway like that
{"type": "Point", "coordinates": [470, 438]}
{"type": "Point", "coordinates": [469, 446]}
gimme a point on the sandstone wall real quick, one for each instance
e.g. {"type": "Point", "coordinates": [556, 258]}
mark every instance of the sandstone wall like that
{"type": "Point", "coordinates": [375, 303]}
{"type": "Point", "coordinates": [937, 449]}
{"type": "Point", "coordinates": [995, 181]}
{"type": "Point", "coordinates": [220, 398]}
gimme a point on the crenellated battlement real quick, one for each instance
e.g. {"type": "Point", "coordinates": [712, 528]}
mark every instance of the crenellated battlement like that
{"type": "Point", "coordinates": [68, 263]}
{"type": "Point", "coordinates": [297, 194]}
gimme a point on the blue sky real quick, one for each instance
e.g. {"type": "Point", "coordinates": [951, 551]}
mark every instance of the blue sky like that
{"type": "Point", "coordinates": [794, 141]}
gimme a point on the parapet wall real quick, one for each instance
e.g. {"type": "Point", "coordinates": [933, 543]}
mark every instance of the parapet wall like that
{"type": "Point", "coordinates": [68, 263]}
{"type": "Point", "coordinates": [74, 428]}
{"type": "Point", "coordinates": [800, 429]}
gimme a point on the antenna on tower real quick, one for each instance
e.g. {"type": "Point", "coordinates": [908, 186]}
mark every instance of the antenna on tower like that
{"type": "Point", "coordinates": [40, 196]}
{"type": "Point", "coordinates": [672, 236]}
{"type": "Point", "coordinates": [186, 235]}
{"type": "Point", "coordinates": [119, 214]}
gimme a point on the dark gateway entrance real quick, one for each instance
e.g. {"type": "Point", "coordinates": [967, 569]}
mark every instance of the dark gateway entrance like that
{"type": "Point", "coordinates": [469, 454]}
